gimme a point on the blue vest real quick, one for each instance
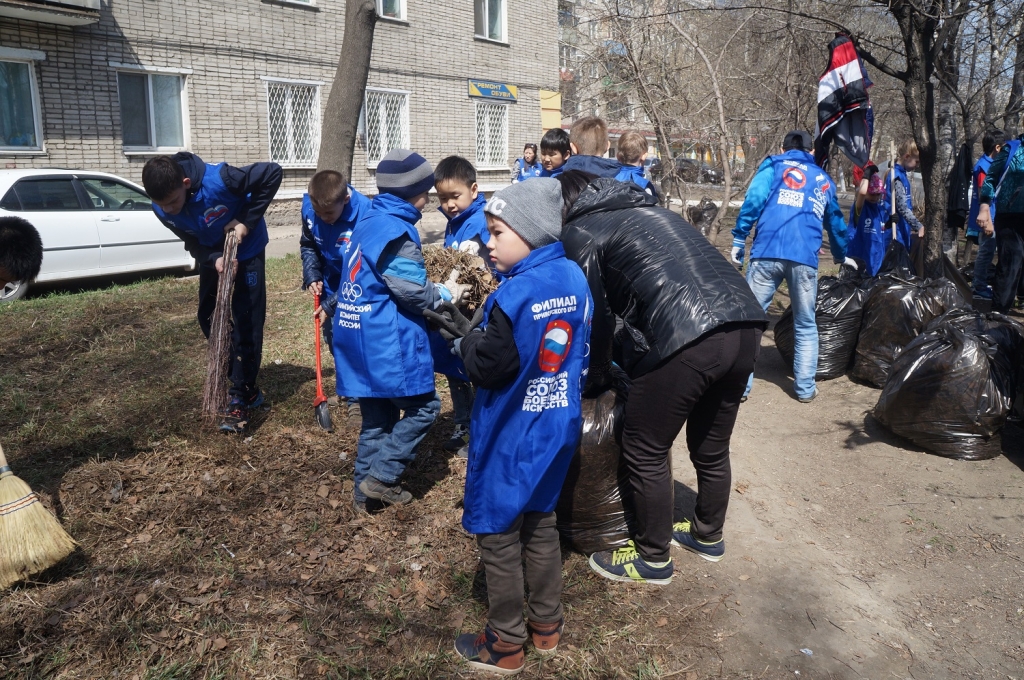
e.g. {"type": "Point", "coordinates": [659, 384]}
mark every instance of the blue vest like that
{"type": "Point", "coordinates": [902, 227]}
{"type": "Point", "coordinates": [525, 433]}
{"type": "Point", "coordinates": [209, 209]}
{"type": "Point", "coordinates": [332, 239]}
{"type": "Point", "coordinates": [981, 167]}
{"type": "Point", "coordinates": [524, 171]}
{"type": "Point", "coordinates": [470, 223]}
{"type": "Point", "coordinates": [380, 349]}
{"type": "Point", "coordinates": [552, 173]}
{"type": "Point", "coordinates": [789, 227]}
{"type": "Point", "coordinates": [868, 242]}
{"type": "Point", "coordinates": [634, 174]}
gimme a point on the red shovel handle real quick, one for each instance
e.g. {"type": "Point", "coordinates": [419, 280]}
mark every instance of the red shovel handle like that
{"type": "Point", "coordinates": [320, 398]}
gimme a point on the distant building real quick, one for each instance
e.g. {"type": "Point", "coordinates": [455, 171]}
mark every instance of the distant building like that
{"type": "Point", "coordinates": [107, 84]}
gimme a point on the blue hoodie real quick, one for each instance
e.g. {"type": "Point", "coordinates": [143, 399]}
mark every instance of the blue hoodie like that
{"type": "Point", "coordinates": [595, 165]}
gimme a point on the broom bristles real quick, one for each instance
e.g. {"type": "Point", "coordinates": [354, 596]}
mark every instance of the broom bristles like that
{"type": "Point", "coordinates": [31, 539]}
{"type": "Point", "coordinates": [215, 391]}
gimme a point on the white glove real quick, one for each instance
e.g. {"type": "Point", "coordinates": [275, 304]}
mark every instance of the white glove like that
{"type": "Point", "coordinates": [737, 255]}
{"type": "Point", "coordinates": [850, 262]}
{"type": "Point", "coordinates": [459, 291]}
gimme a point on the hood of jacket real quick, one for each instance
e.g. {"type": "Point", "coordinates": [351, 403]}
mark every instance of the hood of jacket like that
{"type": "Point", "coordinates": [595, 165]}
{"type": "Point", "coordinates": [649, 267]}
{"type": "Point", "coordinates": [194, 167]}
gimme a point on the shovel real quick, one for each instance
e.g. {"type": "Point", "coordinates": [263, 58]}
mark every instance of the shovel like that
{"type": "Point", "coordinates": [323, 413]}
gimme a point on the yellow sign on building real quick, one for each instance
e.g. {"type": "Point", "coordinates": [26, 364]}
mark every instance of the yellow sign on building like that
{"type": "Point", "coordinates": [550, 109]}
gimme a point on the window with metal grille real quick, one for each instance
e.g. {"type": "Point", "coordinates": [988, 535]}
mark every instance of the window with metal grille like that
{"type": "Point", "coordinates": [385, 123]}
{"type": "Point", "coordinates": [294, 112]}
{"type": "Point", "coordinates": [152, 111]}
{"type": "Point", "coordinates": [490, 19]}
{"type": "Point", "coordinates": [491, 135]}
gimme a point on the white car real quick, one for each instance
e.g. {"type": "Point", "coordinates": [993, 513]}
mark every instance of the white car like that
{"type": "Point", "coordinates": [91, 223]}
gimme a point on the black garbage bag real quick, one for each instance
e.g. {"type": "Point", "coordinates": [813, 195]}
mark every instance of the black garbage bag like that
{"type": "Point", "coordinates": [952, 387]}
{"type": "Point", "coordinates": [591, 513]}
{"type": "Point", "coordinates": [702, 214]}
{"type": "Point", "coordinates": [895, 312]}
{"type": "Point", "coordinates": [896, 262]}
{"type": "Point", "coordinates": [838, 312]}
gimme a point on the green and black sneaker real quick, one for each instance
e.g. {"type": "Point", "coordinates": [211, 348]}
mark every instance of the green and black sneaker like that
{"type": "Point", "coordinates": [625, 564]}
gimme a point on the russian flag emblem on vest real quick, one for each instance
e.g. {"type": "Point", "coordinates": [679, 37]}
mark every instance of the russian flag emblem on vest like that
{"type": "Point", "coordinates": [555, 345]}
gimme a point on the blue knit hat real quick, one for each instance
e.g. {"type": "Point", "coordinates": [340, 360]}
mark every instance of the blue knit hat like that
{"type": "Point", "coordinates": [404, 173]}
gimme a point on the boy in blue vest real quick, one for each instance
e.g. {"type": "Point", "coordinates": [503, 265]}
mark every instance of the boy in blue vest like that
{"type": "Point", "coordinates": [554, 151]}
{"type": "Point", "coordinates": [330, 210]}
{"type": "Point", "coordinates": [588, 140]}
{"type": "Point", "coordinates": [381, 347]}
{"type": "Point", "coordinates": [631, 154]}
{"type": "Point", "coordinates": [991, 144]}
{"type": "Point", "coordinates": [529, 366]}
{"type": "Point", "coordinates": [867, 221]}
{"type": "Point", "coordinates": [463, 204]}
{"type": "Point", "coordinates": [790, 199]}
{"type": "Point", "coordinates": [907, 224]}
{"type": "Point", "coordinates": [200, 202]}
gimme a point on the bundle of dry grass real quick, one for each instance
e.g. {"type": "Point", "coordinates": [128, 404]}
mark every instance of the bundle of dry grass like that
{"type": "Point", "coordinates": [215, 391]}
{"type": "Point", "coordinates": [31, 540]}
{"type": "Point", "coordinates": [472, 269]}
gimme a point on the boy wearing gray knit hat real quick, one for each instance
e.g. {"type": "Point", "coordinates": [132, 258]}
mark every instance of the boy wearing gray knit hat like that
{"type": "Point", "coordinates": [528, 366]}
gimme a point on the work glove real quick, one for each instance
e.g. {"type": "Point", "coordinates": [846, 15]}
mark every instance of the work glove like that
{"type": "Point", "coordinates": [889, 222]}
{"type": "Point", "coordinates": [599, 381]}
{"type": "Point", "coordinates": [870, 170]}
{"type": "Point", "coordinates": [451, 323]}
{"type": "Point", "coordinates": [852, 263]}
{"type": "Point", "coordinates": [737, 251]}
{"type": "Point", "coordinates": [459, 291]}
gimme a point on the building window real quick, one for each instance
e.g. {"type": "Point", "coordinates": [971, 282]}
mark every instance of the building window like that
{"type": "Point", "coordinates": [152, 111]}
{"type": "Point", "coordinates": [294, 121]}
{"type": "Point", "coordinates": [490, 19]}
{"type": "Point", "coordinates": [491, 135]}
{"type": "Point", "coordinates": [385, 123]}
{"type": "Point", "coordinates": [391, 9]}
{"type": "Point", "coordinates": [20, 120]}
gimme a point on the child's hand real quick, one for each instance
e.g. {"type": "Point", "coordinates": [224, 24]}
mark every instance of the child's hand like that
{"type": "Point", "coordinates": [241, 231]}
{"type": "Point", "coordinates": [316, 288]}
{"type": "Point", "coordinates": [219, 265]}
{"type": "Point", "coordinates": [920, 232]}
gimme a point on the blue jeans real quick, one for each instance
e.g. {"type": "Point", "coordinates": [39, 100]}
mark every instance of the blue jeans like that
{"type": "Point", "coordinates": [764, 278]}
{"type": "Point", "coordinates": [983, 263]}
{"type": "Point", "coordinates": [462, 400]}
{"type": "Point", "coordinates": [388, 441]}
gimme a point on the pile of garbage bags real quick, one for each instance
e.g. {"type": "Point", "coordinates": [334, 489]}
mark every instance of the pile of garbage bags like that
{"type": "Point", "coordinates": [951, 388]}
{"type": "Point", "coordinates": [591, 512]}
{"type": "Point", "coordinates": [838, 314]}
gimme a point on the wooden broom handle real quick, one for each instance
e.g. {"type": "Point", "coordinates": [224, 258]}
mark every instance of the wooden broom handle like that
{"type": "Point", "coordinates": [5, 469]}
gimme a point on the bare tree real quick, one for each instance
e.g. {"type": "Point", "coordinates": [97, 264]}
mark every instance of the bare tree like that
{"type": "Point", "coordinates": [341, 119]}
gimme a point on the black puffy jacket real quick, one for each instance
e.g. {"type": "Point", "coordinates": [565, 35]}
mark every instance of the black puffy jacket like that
{"type": "Point", "coordinates": [650, 267]}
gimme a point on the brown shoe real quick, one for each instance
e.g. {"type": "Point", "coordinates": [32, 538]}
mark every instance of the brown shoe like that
{"type": "Point", "coordinates": [546, 636]}
{"type": "Point", "coordinates": [488, 652]}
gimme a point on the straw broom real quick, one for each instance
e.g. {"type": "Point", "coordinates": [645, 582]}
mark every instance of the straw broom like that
{"type": "Point", "coordinates": [31, 539]}
{"type": "Point", "coordinates": [215, 392]}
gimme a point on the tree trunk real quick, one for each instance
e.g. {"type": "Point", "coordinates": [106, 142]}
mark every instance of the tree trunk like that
{"type": "Point", "coordinates": [1015, 104]}
{"type": "Point", "coordinates": [341, 119]}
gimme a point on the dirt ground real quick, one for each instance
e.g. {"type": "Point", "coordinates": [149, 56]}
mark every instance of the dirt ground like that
{"type": "Point", "coordinates": [206, 556]}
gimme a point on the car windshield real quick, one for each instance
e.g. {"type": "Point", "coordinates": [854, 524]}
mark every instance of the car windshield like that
{"type": "Point", "coordinates": [106, 194]}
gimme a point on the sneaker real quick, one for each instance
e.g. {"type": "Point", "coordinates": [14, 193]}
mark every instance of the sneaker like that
{"type": "Point", "coordinates": [463, 453]}
{"type": "Point", "coordinates": [682, 538]}
{"type": "Point", "coordinates": [545, 636]}
{"type": "Point", "coordinates": [487, 652]}
{"type": "Point", "coordinates": [379, 491]}
{"type": "Point", "coordinates": [625, 564]}
{"type": "Point", "coordinates": [984, 293]}
{"type": "Point", "coordinates": [354, 416]}
{"type": "Point", "coordinates": [459, 438]}
{"type": "Point", "coordinates": [808, 400]}
{"type": "Point", "coordinates": [239, 413]}
{"type": "Point", "coordinates": [359, 507]}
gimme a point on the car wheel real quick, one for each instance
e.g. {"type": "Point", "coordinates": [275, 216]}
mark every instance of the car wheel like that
{"type": "Point", "coordinates": [15, 290]}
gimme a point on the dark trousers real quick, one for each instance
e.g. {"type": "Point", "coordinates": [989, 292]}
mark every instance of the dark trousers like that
{"type": "Point", "coordinates": [1010, 245]}
{"type": "Point", "coordinates": [700, 387]}
{"type": "Point", "coordinates": [532, 536]}
{"type": "Point", "coordinates": [248, 314]}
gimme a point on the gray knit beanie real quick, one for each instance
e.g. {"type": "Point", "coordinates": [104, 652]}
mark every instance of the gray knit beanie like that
{"type": "Point", "coordinates": [532, 209]}
{"type": "Point", "coordinates": [404, 173]}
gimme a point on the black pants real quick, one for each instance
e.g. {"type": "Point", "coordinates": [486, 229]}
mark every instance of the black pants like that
{"type": "Point", "coordinates": [1010, 246]}
{"type": "Point", "coordinates": [700, 387]}
{"type": "Point", "coordinates": [248, 314]}
{"type": "Point", "coordinates": [533, 537]}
